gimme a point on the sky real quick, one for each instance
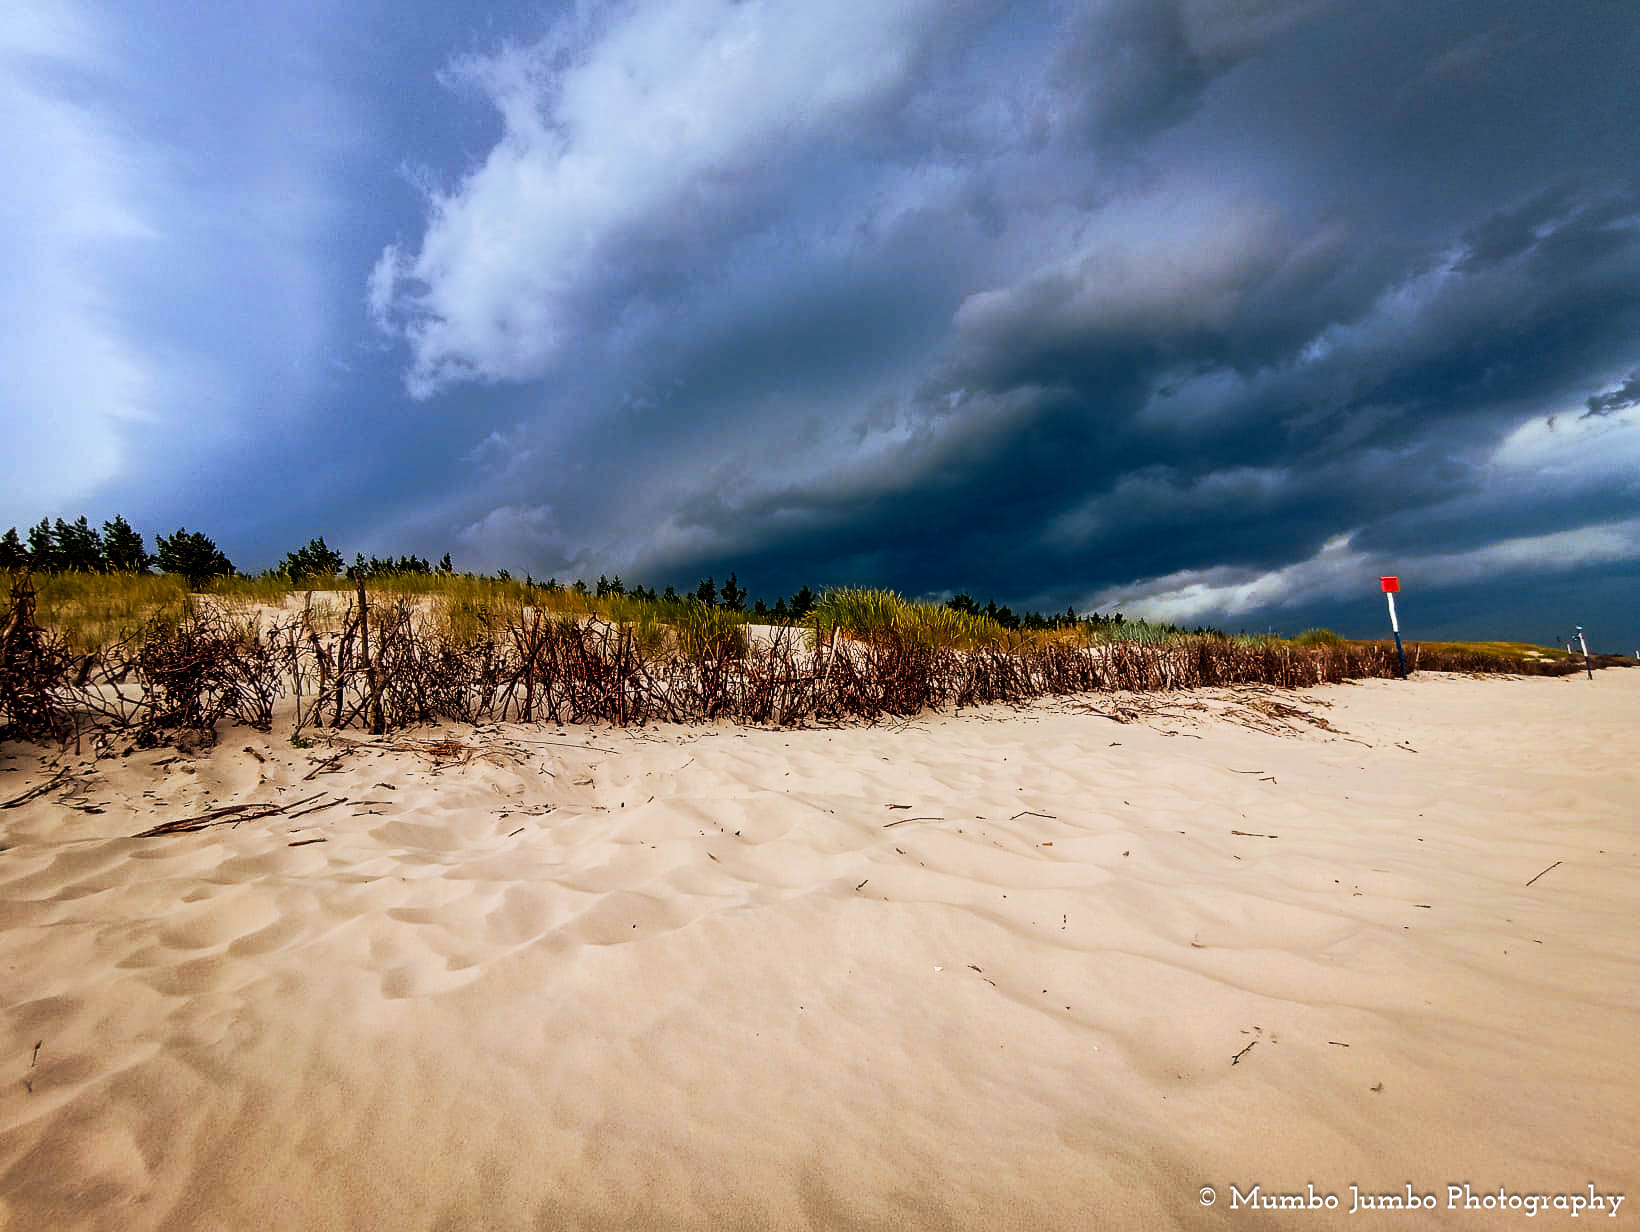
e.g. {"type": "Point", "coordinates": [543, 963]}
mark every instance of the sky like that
{"type": "Point", "coordinates": [1209, 311]}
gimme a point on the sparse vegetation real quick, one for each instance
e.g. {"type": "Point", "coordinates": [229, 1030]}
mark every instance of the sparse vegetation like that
{"type": "Point", "coordinates": [90, 611]}
{"type": "Point", "coordinates": [91, 635]}
{"type": "Point", "coordinates": [140, 652]}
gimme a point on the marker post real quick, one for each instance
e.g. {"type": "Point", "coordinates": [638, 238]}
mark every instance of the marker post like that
{"type": "Point", "coordinates": [1584, 642]}
{"type": "Point", "coordinates": [1390, 585]}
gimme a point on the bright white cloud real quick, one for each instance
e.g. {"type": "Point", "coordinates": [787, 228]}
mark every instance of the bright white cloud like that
{"type": "Point", "coordinates": [630, 141]}
{"type": "Point", "coordinates": [1574, 449]}
{"type": "Point", "coordinates": [1339, 571]}
{"type": "Point", "coordinates": [75, 193]}
{"type": "Point", "coordinates": [159, 284]}
{"type": "Point", "coordinates": [1192, 593]}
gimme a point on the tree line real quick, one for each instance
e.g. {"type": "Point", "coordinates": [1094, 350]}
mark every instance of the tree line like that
{"type": "Point", "coordinates": [79, 547]}
{"type": "Point", "coordinates": [730, 596]}
{"type": "Point", "coordinates": [1008, 619]}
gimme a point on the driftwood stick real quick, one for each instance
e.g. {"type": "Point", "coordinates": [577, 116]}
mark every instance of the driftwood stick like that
{"type": "Point", "coordinates": [234, 813]}
{"type": "Point", "coordinates": [327, 764]}
{"type": "Point", "coordinates": [561, 744]}
{"type": "Point", "coordinates": [1556, 864]}
{"type": "Point", "coordinates": [378, 723]}
{"type": "Point", "coordinates": [39, 790]}
{"type": "Point", "coordinates": [317, 807]}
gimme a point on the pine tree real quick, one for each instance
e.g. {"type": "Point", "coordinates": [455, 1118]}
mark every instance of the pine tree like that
{"type": "Point", "coordinates": [802, 603]}
{"type": "Point", "coordinates": [13, 555]}
{"type": "Point", "coordinates": [191, 555]}
{"type": "Point", "coordinates": [316, 560]}
{"type": "Point", "coordinates": [123, 548]}
{"type": "Point", "coordinates": [706, 592]}
{"type": "Point", "coordinates": [42, 548]}
{"type": "Point", "coordinates": [733, 597]}
{"type": "Point", "coordinates": [79, 547]}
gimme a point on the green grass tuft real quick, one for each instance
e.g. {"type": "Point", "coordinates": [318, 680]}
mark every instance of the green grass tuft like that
{"type": "Point", "coordinates": [1318, 637]}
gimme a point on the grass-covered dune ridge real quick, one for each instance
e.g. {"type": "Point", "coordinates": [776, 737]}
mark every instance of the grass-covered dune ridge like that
{"type": "Point", "coordinates": [154, 658]}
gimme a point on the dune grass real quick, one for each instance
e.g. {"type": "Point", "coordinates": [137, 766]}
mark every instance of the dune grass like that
{"type": "Point", "coordinates": [1498, 650]}
{"type": "Point", "coordinates": [1319, 637]}
{"type": "Point", "coordinates": [866, 614]}
{"type": "Point", "coordinates": [477, 649]}
{"type": "Point", "coordinates": [93, 610]}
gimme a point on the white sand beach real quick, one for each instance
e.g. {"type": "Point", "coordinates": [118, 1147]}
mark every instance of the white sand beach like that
{"type": "Point", "coordinates": [1035, 968]}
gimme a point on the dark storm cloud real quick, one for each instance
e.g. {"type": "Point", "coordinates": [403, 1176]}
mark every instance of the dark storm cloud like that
{"type": "Point", "coordinates": [1169, 288]}
{"type": "Point", "coordinates": [1124, 70]}
{"type": "Point", "coordinates": [1209, 306]}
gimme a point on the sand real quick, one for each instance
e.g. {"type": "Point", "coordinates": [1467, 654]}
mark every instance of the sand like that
{"type": "Point", "coordinates": [717, 978]}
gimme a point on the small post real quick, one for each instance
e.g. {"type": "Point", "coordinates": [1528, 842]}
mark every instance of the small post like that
{"type": "Point", "coordinates": [1390, 585]}
{"type": "Point", "coordinates": [1584, 642]}
{"type": "Point", "coordinates": [374, 718]}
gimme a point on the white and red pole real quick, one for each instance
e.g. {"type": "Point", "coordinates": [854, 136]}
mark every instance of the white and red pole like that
{"type": "Point", "coordinates": [1390, 585]}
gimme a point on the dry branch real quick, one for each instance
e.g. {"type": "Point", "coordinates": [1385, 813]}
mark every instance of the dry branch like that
{"type": "Point", "coordinates": [50, 784]}
{"type": "Point", "coordinates": [228, 813]}
{"type": "Point", "coordinates": [392, 666]}
{"type": "Point", "coordinates": [1555, 865]}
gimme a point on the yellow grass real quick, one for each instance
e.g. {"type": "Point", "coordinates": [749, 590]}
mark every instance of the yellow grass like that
{"type": "Point", "coordinates": [92, 610]}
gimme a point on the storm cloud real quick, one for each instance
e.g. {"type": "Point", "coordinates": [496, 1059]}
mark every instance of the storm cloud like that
{"type": "Point", "coordinates": [1207, 309]}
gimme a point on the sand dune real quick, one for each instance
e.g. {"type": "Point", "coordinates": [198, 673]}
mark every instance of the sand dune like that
{"type": "Point", "coordinates": [987, 970]}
